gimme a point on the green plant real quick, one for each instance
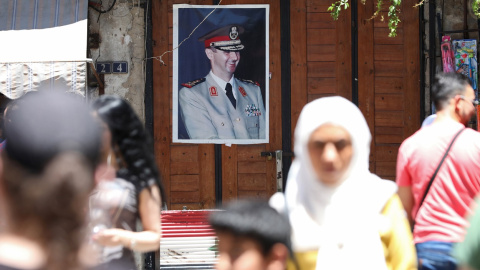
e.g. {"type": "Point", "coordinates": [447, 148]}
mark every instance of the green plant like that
{"type": "Point", "coordinates": [393, 18]}
{"type": "Point", "coordinates": [393, 11]}
{"type": "Point", "coordinates": [336, 7]}
{"type": "Point", "coordinates": [476, 7]}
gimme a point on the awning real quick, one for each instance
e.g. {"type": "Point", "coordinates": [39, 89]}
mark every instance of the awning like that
{"type": "Point", "coordinates": [44, 44]}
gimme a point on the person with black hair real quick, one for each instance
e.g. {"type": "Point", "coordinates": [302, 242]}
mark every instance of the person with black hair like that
{"type": "Point", "coordinates": [438, 184]}
{"type": "Point", "coordinates": [251, 235]}
{"type": "Point", "coordinates": [47, 175]}
{"type": "Point", "coordinates": [134, 192]}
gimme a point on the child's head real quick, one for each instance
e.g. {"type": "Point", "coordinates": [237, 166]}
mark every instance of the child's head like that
{"type": "Point", "coordinates": [252, 235]}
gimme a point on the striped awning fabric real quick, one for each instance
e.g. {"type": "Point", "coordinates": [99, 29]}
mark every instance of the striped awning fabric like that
{"type": "Point", "coordinates": [40, 14]}
{"type": "Point", "coordinates": [44, 44]}
{"type": "Point", "coordinates": [188, 241]}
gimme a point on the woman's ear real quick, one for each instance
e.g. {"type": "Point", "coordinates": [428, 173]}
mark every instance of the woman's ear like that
{"type": "Point", "coordinates": [277, 258]}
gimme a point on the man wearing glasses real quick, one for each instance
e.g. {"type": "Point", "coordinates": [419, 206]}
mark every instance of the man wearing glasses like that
{"type": "Point", "coordinates": [440, 219]}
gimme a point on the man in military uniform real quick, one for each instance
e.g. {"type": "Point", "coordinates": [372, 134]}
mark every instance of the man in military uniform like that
{"type": "Point", "coordinates": [221, 106]}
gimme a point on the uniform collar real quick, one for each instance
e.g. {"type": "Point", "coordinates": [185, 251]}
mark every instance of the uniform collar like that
{"type": "Point", "coordinates": [223, 83]}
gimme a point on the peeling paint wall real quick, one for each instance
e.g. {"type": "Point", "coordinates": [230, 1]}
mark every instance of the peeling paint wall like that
{"type": "Point", "coordinates": [121, 37]}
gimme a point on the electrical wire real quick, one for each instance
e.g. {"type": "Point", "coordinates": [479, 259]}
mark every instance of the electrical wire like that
{"type": "Point", "coordinates": [99, 10]}
{"type": "Point", "coordinates": [159, 58]}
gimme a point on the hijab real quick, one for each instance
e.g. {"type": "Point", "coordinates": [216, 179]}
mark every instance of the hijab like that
{"type": "Point", "coordinates": [339, 221]}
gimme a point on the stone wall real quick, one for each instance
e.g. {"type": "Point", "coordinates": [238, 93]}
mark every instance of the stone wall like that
{"type": "Point", "coordinates": [118, 35]}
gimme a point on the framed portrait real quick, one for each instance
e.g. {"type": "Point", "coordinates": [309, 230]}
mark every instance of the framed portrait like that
{"type": "Point", "coordinates": [221, 74]}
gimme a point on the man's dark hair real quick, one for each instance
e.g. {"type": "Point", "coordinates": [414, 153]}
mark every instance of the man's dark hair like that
{"type": "Point", "coordinates": [256, 220]}
{"type": "Point", "coordinates": [446, 87]}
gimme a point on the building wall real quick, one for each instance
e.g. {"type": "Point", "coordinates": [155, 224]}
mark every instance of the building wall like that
{"type": "Point", "coordinates": [121, 33]}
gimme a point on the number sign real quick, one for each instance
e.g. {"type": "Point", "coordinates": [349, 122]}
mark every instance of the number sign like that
{"type": "Point", "coordinates": [120, 67]}
{"type": "Point", "coordinates": [103, 67]}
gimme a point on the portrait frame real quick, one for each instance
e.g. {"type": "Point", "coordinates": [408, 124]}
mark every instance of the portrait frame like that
{"type": "Point", "coordinates": [190, 63]}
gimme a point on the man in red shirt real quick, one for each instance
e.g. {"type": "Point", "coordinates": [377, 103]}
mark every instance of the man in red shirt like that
{"type": "Point", "coordinates": [440, 220]}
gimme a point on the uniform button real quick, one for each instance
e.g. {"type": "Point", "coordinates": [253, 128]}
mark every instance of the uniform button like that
{"type": "Point", "coordinates": [238, 119]}
{"type": "Point", "coordinates": [223, 124]}
{"type": "Point", "coordinates": [256, 125]}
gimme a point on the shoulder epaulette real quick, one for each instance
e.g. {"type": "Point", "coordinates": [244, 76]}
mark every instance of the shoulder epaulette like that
{"type": "Point", "coordinates": [249, 81]}
{"type": "Point", "coordinates": [193, 83]}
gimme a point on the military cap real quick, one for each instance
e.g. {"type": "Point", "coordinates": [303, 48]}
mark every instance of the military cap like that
{"type": "Point", "coordinates": [226, 38]}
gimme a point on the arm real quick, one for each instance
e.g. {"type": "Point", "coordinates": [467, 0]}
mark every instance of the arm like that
{"type": "Point", "coordinates": [400, 250]}
{"type": "Point", "coordinates": [404, 182]}
{"type": "Point", "coordinates": [146, 240]}
{"type": "Point", "coordinates": [195, 115]}
{"type": "Point", "coordinates": [406, 197]}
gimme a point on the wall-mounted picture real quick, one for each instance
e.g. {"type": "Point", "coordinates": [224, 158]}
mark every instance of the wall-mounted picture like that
{"type": "Point", "coordinates": [220, 74]}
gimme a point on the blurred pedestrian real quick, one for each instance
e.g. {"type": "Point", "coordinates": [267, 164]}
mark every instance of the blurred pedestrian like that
{"type": "Point", "coordinates": [429, 120]}
{"type": "Point", "coordinates": [437, 183]}
{"type": "Point", "coordinates": [47, 173]}
{"type": "Point", "coordinates": [342, 215]}
{"type": "Point", "coordinates": [251, 235]}
{"type": "Point", "coordinates": [131, 192]}
{"type": "Point", "coordinates": [467, 252]}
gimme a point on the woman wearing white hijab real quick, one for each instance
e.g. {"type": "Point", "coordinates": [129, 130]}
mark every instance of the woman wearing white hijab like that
{"type": "Point", "coordinates": [342, 216]}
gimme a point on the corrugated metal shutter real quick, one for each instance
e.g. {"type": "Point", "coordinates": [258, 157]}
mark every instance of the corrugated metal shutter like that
{"type": "Point", "coordinates": [40, 14]}
{"type": "Point", "coordinates": [44, 44]}
{"type": "Point", "coordinates": [188, 241]}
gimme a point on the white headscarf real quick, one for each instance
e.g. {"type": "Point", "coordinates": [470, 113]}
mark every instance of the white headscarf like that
{"type": "Point", "coordinates": [340, 221]}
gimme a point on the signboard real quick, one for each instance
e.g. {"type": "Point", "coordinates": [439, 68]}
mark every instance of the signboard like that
{"type": "Point", "coordinates": [103, 67]}
{"type": "Point", "coordinates": [220, 74]}
{"type": "Point", "coordinates": [120, 67]}
{"type": "Point", "coordinates": [112, 67]}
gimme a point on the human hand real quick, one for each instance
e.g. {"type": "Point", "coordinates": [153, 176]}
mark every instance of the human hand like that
{"type": "Point", "coordinates": [109, 237]}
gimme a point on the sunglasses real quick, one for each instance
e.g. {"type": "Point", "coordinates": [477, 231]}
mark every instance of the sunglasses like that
{"type": "Point", "coordinates": [474, 102]}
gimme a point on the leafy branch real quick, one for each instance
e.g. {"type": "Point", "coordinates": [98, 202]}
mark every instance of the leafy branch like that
{"type": "Point", "coordinates": [393, 20]}
{"type": "Point", "coordinates": [393, 11]}
{"type": "Point", "coordinates": [476, 7]}
{"type": "Point", "coordinates": [336, 7]}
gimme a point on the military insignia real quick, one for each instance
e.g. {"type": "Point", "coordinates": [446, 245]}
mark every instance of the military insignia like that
{"type": "Point", "coordinates": [242, 91]}
{"type": "Point", "coordinates": [252, 110]}
{"type": "Point", "coordinates": [193, 83]}
{"type": "Point", "coordinates": [213, 91]}
{"type": "Point", "coordinates": [233, 32]}
{"type": "Point", "coordinates": [250, 81]}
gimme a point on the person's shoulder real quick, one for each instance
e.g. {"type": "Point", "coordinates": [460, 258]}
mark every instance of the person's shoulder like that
{"type": "Point", "coordinates": [472, 132]}
{"type": "Point", "coordinates": [471, 137]}
{"type": "Point", "coordinates": [193, 83]}
{"type": "Point", "coordinates": [413, 140]}
{"type": "Point", "coordinates": [248, 82]}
